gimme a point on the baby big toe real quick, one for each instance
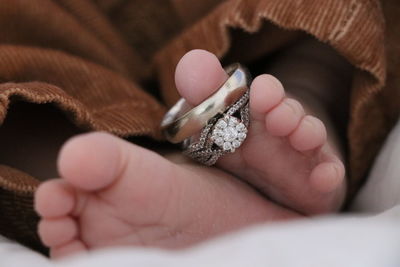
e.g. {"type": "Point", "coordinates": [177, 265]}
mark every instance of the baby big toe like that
{"type": "Point", "coordinates": [199, 74]}
{"type": "Point", "coordinates": [90, 161]}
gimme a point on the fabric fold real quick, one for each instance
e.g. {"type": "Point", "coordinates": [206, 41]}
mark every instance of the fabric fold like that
{"type": "Point", "coordinates": [99, 98]}
{"type": "Point", "coordinates": [16, 209]}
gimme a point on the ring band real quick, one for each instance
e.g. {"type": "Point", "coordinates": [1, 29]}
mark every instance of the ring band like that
{"type": "Point", "coordinates": [216, 126]}
{"type": "Point", "coordinates": [181, 123]}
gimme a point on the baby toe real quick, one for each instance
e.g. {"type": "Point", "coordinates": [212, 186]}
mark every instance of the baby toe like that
{"type": "Point", "coordinates": [284, 118]}
{"type": "Point", "coordinates": [310, 134]}
{"type": "Point", "coordinates": [198, 75]}
{"type": "Point", "coordinates": [90, 161]}
{"type": "Point", "coordinates": [266, 93]}
{"type": "Point", "coordinates": [56, 232]}
{"type": "Point", "coordinates": [326, 177]}
{"type": "Point", "coordinates": [54, 198]}
{"type": "Point", "coordinates": [72, 247]}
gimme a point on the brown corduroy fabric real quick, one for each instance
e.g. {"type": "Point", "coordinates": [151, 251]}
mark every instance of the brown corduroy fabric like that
{"type": "Point", "coordinates": [92, 60]}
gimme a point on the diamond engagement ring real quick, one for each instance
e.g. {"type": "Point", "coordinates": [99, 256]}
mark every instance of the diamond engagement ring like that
{"type": "Point", "coordinates": [216, 126]}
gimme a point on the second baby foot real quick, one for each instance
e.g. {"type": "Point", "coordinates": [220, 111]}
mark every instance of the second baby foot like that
{"type": "Point", "coordinates": [286, 154]}
{"type": "Point", "coordinates": [114, 193]}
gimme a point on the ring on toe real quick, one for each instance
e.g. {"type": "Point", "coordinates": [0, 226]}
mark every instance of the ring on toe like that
{"type": "Point", "coordinates": [216, 126]}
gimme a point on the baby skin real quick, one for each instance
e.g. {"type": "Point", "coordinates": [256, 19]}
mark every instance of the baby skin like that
{"type": "Point", "coordinates": [114, 193]}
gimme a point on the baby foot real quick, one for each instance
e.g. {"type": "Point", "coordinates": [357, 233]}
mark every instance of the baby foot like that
{"type": "Point", "coordinates": [286, 154]}
{"type": "Point", "coordinates": [114, 193]}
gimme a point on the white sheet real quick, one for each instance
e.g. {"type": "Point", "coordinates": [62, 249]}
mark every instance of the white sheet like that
{"type": "Point", "coordinates": [327, 242]}
{"type": "Point", "coordinates": [382, 191]}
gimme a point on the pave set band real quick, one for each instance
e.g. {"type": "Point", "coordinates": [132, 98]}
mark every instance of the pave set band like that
{"type": "Point", "coordinates": [216, 126]}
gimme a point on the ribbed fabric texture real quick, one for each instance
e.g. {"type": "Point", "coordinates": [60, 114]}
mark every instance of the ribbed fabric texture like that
{"type": "Point", "coordinates": [92, 59]}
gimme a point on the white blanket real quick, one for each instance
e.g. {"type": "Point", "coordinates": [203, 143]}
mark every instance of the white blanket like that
{"type": "Point", "coordinates": [382, 191]}
{"type": "Point", "coordinates": [325, 242]}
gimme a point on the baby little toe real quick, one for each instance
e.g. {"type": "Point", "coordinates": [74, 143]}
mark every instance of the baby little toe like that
{"type": "Point", "coordinates": [72, 247]}
{"type": "Point", "coordinates": [326, 177]}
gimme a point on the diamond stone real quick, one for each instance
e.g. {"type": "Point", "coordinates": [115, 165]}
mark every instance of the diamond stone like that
{"type": "Point", "coordinates": [219, 132]}
{"type": "Point", "coordinates": [242, 136]}
{"type": "Point", "coordinates": [240, 127]}
{"type": "Point", "coordinates": [233, 121]}
{"type": "Point", "coordinates": [227, 146]}
{"type": "Point", "coordinates": [229, 133]}
{"type": "Point", "coordinates": [236, 144]}
{"type": "Point", "coordinates": [219, 141]}
{"type": "Point", "coordinates": [221, 124]}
